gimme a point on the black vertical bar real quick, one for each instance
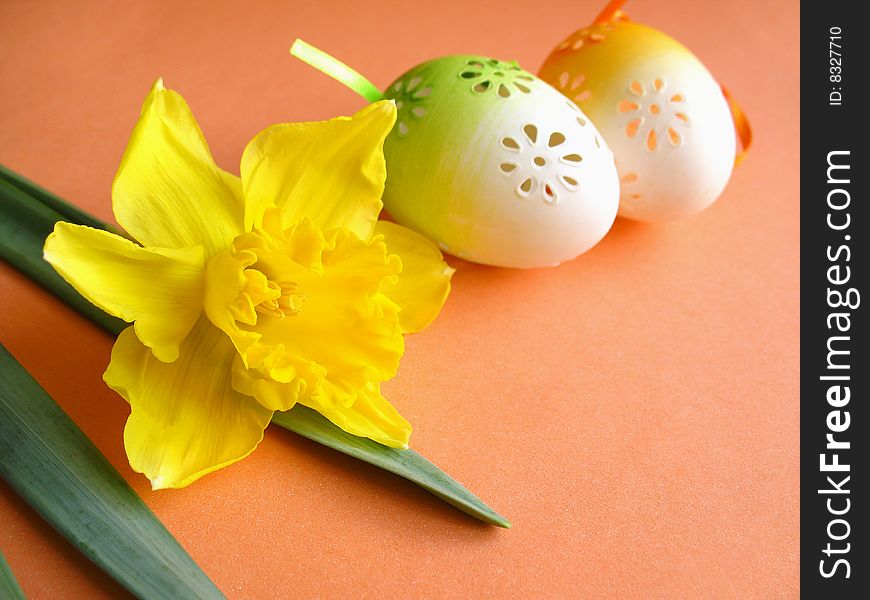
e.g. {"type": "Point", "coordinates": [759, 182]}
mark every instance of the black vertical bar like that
{"type": "Point", "coordinates": [835, 363]}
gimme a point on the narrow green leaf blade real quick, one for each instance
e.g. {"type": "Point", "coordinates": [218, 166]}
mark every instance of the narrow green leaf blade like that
{"type": "Point", "coordinates": [47, 459]}
{"type": "Point", "coordinates": [68, 211]}
{"type": "Point", "coordinates": [34, 224]}
{"type": "Point", "coordinates": [9, 588]}
{"type": "Point", "coordinates": [404, 463]}
{"type": "Point", "coordinates": [24, 224]}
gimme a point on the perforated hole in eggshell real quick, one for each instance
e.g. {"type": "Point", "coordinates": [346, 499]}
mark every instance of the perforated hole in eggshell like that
{"type": "Point", "coordinates": [651, 140]}
{"type": "Point", "coordinates": [580, 120]}
{"type": "Point", "coordinates": [549, 194]}
{"type": "Point", "coordinates": [505, 79]}
{"type": "Point", "coordinates": [545, 164]}
{"type": "Point", "coordinates": [531, 133]}
{"type": "Point", "coordinates": [526, 186]}
{"type": "Point", "coordinates": [660, 113]}
{"type": "Point", "coordinates": [595, 34]}
{"type": "Point", "coordinates": [410, 98]}
{"type": "Point", "coordinates": [556, 139]}
{"type": "Point", "coordinates": [569, 182]}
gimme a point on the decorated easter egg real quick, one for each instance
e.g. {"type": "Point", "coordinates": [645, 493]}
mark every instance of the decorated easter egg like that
{"type": "Point", "coordinates": [660, 110]}
{"type": "Point", "coordinates": [495, 165]}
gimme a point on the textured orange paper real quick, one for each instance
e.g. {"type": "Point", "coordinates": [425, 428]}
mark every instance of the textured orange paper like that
{"type": "Point", "coordinates": [634, 412]}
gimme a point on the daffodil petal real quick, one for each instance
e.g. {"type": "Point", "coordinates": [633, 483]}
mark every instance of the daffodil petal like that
{"type": "Point", "coordinates": [168, 191]}
{"type": "Point", "coordinates": [331, 171]}
{"type": "Point", "coordinates": [424, 282]}
{"type": "Point", "coordinates": [370, 414]}
{"type": "Point", "coordinates": [186, 419]}
{"type": "Point", "coordinates": [160, 289]}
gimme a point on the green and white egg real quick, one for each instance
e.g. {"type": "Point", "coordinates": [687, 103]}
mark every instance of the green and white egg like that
{"type": "Point", "coordinates": [495, 165]}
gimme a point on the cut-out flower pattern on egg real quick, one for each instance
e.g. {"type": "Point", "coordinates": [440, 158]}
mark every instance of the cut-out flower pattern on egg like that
{"type": "Point", "coordinates": [654, 114]}
{"type": "Point", "coordinates": [572, 87]}
{"type": "Point", "coordinates": [585, 37]}
{"type": "Point", "coordinates": [488, 74]}
{"type": "Point", "coordinates": [626, 182]}
{"type": "Point", "coordinates": [410, 96]}
{"type": "Point", "coordinates": [539, 162]}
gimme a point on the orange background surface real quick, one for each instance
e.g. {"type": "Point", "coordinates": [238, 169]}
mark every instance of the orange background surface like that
{"type": "Point", "coordinates": [633, 412]}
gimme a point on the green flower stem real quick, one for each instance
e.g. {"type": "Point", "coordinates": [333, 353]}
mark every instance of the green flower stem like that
{"type": "Point", "coordinates": [25, 222]}
{"type": "Point", "coordinates": [336, 69]}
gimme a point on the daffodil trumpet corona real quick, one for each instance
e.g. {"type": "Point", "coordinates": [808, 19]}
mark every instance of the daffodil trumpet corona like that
{"type": "Point", "coordinates": [489, 161]}
{"type": "Point", "coordinates": [670, 124]}
{"type": "Point", "coordinates": [249, 294]}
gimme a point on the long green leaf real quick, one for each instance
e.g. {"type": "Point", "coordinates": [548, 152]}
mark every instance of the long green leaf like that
{"type": "Point", "coordinates": [24, 224]}
{"type": "Point", "coordinates": [9, 588]}
{"type": "Point", "coordinates": [47, 459]}
{"type": "Point", "coordinates": [24, 251]}
{"type": "Point", "coordinates": [404, 463]}
{"type": "Point", "coordinates": [65, 209]}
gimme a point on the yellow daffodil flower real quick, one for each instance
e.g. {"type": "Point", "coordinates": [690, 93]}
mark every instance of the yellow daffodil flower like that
{"type": "Point", "coordinates": [250, 294]}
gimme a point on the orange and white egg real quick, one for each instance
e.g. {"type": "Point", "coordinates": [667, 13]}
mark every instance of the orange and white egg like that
{"type": "Point", "coordinates": [661, 112]}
